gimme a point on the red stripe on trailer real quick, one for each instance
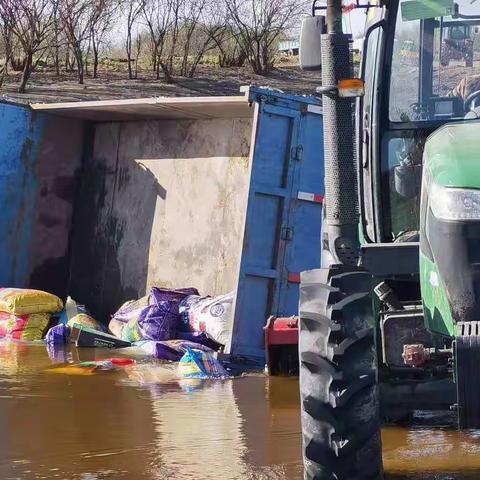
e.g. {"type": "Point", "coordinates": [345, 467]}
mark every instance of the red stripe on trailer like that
{"type": "Point", "coordinates": [294, 277]}
{"type": "Point", "coordinates": [310, 197]}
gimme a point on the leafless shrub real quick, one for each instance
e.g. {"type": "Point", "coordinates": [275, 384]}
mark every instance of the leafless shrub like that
{"type": "Point", "coordinates": [133, 9]}
{"type": "Point", "coordinates": [85, 23]}
{"type": "Point", "coordinates": [258, 25]}
{"type": "Point", "coordinates": [157, 15]}
{"type": "Point", "coordinates": [31, 22]}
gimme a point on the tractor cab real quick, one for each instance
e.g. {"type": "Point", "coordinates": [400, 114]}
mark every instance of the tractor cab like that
{"type": "Point", "coordinates": [419, 94]}
{"type": "Point", "coordinates": [390, 323]}
{"type": "Point", "coordinates": [457, 31]}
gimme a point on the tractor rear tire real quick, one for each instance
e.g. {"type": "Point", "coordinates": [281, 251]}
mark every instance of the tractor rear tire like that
{"type": "Point", "coordinates": [338, 376]}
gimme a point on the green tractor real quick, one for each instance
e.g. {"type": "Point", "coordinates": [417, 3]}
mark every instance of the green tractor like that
{"type": "Point", "coordinates": [457, 43]}
{"type": "Point", "coordinates": [391, 322]}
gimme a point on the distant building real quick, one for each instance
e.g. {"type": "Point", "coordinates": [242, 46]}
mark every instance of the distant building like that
{"type": "Point", "coordinates": [290, 47]}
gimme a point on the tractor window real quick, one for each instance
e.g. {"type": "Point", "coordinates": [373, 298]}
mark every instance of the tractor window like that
{"type": "Point", "coordinates": [405, 69]}
{"type": "Point", "coordinates": [402, 176]}
{"type": "Point", "coordinates": [435, 65]}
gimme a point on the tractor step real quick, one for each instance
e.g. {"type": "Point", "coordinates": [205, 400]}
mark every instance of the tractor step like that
{"type": "Point", "coordinates": [467, 378]}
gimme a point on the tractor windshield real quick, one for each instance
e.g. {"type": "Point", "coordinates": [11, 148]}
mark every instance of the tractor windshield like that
{"type": "Point", "coordinates": [434, 61]}
{"type": "Point", "coordinates": [434, 79]}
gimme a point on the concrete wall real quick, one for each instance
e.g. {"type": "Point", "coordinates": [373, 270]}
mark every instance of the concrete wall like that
{"type": "Point", "coordinates": [39, 160]}
{"type": "Point", "coordinates": [161, 203]}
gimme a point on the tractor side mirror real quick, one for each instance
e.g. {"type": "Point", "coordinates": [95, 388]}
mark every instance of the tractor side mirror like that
{"type": "Point", "coordinates": [310, 49]}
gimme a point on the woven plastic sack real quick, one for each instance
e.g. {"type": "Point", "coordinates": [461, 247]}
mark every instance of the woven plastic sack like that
{"type": "Point", "coordinates": [25, 327]}
{"type": "Point", "coordinates": [58, 335]}
{"type": "Point", "coordinates": [20, 301]}
{"type": "Point", "coordinates": [197, 364]}
{"type": "Point", "coordinates": [212, 315]}
{"type": "Point", "coordinates": [184, 308]}
{"type": "Point", "coordinates": [115, 327]}
{"type": "Point", "coordinates": [153, 317]}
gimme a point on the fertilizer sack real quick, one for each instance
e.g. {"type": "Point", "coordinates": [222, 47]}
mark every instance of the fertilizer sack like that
{"type": "Point", "coordinates": [24, 327]}
{"type": "Point", "coordinates": [211, 315]}
{"type": "Point", "coordinates": [198, 364]}
{"type": "Point", "coordinates": [18, 301]}
{"type": "Point", "coordinates": [58, 335]}
{"type": "Point", "coordinates": [153, 317]}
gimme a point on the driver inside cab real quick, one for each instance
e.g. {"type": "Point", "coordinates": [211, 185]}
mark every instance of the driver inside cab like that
{"type": "Point", "coordinates": [467, 86]}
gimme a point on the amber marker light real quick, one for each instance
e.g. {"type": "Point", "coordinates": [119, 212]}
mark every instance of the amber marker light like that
{"type": "Point", "coordinates": [351, 87]}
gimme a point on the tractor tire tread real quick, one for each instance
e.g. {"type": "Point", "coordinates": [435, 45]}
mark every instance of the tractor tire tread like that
{"type": "Point", "coordinates": [338, 378]}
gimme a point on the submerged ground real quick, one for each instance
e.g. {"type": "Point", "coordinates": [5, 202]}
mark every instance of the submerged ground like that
{"type": "Point", "coordinates": [141, 422]}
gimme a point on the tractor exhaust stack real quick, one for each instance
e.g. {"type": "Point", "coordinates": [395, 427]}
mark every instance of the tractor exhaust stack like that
{"type": "Point", "coordinates": [340, 243]}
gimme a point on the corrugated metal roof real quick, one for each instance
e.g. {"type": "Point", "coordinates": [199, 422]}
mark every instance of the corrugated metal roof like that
{"type": "Point", "coordinates": [151, 108]}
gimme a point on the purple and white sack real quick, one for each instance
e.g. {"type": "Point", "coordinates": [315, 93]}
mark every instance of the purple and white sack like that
{"type": "Point", "coordinates": [213, 316]}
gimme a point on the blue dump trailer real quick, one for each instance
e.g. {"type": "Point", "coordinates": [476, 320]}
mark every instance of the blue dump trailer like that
{"type": "Point", "coordinates": [103, 199]}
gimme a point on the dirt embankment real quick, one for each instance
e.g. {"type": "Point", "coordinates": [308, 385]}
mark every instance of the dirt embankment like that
{"type": "Point", "coordinates": [210, 80]}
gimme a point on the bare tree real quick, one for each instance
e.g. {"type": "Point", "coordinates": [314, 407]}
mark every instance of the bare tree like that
{"type": "Point", "coordinates": [139, 38]}
{"type": "Point", "coordinates": [216, 26]}
{"type": "Point", "coordinates": [56, 36]}
{"type": "Point", "coordinates": [100, 24]}
{"type": "Point", "coordinates": [76, 17]}
{"type": "Point", "coordinates": [85, 23]}
{"type": "Point", "coordinates": [224, 38]}
{"type": "Point", "coordinates": [134, 9]}
{"type": "Point", "coordinates": [157, 15]}
{"type": "Point", "coordinates": [258, 24]}
{"type": "Point", "coordinates": [7, 47]}
{"type": "Point", "coordinates": [193, 15]}
{"type": "Point", "coordinates": [173, 34]}
{"type": "Point", "coordinates": [31, 22]}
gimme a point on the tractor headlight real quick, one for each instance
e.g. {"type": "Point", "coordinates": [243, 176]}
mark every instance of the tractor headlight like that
{"type": "Point", "coordinates": [454, 203]}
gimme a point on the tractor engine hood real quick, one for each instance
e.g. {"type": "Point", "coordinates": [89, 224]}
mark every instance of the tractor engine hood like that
{"type": "Point", "coordinates": [450, 227]}
{"type": "Point", "coordinates": [452, 155]}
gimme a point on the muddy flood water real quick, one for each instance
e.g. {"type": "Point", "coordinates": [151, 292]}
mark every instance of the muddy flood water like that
{"type": "Point", "coordinates": [141, 422]}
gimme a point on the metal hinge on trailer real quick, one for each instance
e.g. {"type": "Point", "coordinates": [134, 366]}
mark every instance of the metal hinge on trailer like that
{"type": "Point", "coordinates": [297, 152]}
{"type": "Point", "coordinates": [286, 233]}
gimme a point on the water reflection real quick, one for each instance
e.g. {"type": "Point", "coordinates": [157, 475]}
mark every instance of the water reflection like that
{"type": "Point", "coordinates": [199, 432]}
{"type": "Point", "coordinates": [440, 452]}
{"type": "Point", "coordinates": [146, 423]}
{"type": "Point", "coordinates": [57, 426]}
{"type": "Point", "coordinates": [246, 428]}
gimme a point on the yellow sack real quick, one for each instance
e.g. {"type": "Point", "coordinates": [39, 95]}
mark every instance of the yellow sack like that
{"type": "Point", "coordinates": [24, 327]}
{"type": "Point", "coordinates": [19, 301]}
